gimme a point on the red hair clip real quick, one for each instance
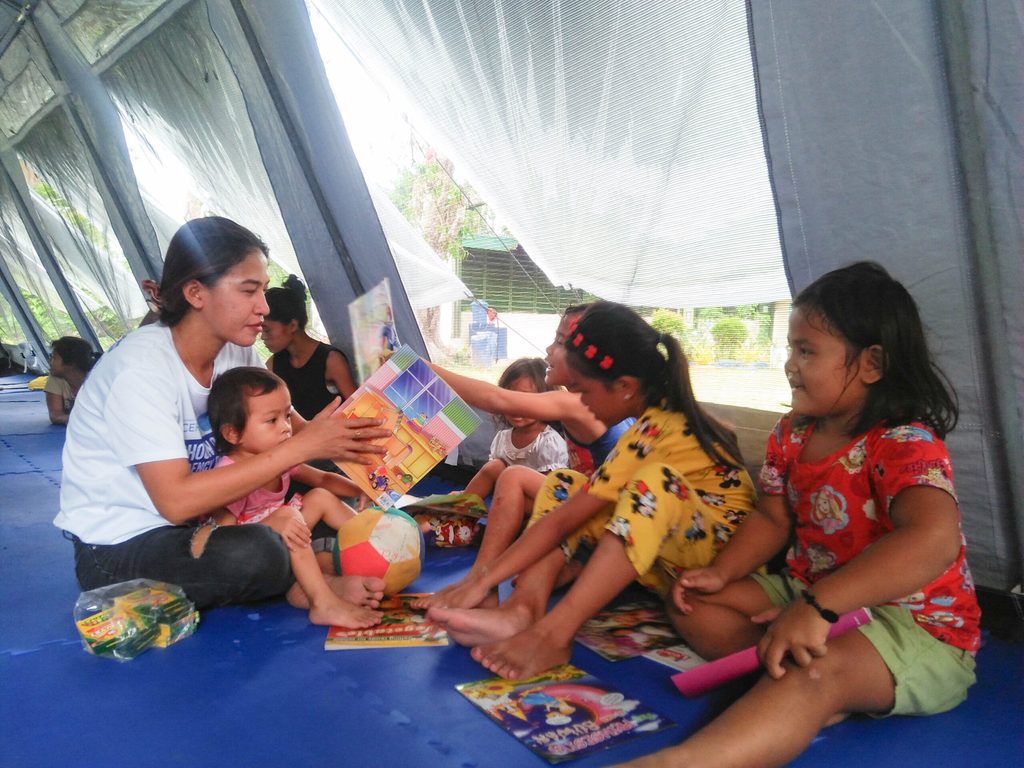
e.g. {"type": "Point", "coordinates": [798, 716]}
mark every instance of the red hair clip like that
{"type": "Point", "coordinates": [573, 324]}
{"type": "Point", "coordinates": [606, 362]}
{"type": "Point", "coordinates": [590, 352]}
{"type": "Point", "coordinates": [577, 339]}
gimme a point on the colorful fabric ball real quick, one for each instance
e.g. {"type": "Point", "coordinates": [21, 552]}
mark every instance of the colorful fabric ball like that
{"type": "Point", "coordinates": [387, 544]}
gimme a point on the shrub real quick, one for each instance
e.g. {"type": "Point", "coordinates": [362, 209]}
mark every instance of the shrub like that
{"type": "Point", "coordinates": [729, 334]}
{"type": "Point", "coordinates": [671, 322]}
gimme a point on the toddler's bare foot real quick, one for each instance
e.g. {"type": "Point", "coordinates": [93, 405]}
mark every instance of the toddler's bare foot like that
{"type": "Point", "coordinates": [332, 610]}
{"type": "Point", "coordinates": [480, 626]}
{"type": "Point", "coordinates": [362, 590]}
{"type": "Point", "coordinates": [525, 654]}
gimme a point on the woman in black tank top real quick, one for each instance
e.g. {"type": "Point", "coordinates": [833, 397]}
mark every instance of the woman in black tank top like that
{"type": "Point", "coordinates": [314, 372]}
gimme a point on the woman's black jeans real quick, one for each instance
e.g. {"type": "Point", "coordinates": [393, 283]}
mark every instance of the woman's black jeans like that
{"type": "Point", "coordinates": [240, 563]}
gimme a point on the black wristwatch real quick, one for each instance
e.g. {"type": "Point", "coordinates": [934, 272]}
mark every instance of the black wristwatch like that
{"type": "Point", "coordinates": [830, 616]}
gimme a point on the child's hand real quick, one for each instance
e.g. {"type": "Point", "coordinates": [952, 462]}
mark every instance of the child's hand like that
{"type": "Point", "coordinates": [798, 631]}
{"type": "Point", "coordinates": [290, 526]}
{"type": "Point", "coordinates": [703, 580]}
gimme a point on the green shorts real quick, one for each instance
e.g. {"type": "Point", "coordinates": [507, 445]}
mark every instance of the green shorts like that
{"type": "Point", "coordinates": [930, 676]}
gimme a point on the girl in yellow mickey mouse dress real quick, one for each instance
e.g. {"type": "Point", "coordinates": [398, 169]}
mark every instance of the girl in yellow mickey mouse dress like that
{"type": "Point", "coordinates": [667, 498]}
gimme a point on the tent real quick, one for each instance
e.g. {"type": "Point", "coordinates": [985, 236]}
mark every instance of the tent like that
{"type": "Point", "coordinates": [887, 131]}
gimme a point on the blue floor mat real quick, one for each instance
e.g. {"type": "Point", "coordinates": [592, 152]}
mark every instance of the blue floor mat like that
{"type": "Point", "coordinates": [254, 687]}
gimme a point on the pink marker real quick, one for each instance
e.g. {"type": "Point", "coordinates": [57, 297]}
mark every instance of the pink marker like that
{"type": "Point", "coordinates": [696, 681]}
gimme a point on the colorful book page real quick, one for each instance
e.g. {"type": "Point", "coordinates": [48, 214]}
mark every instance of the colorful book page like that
{"type": "Point", "coordinates": [426, 420]}
{"type": "Point", "coordinates": [401, 626]}
{"type": "Point", "coordinates": [680, 657]}
{"type": "Point", "coordinates": [627, 630]}
{"type": "Point", "coordinates": [374, 336]}
{"type": "Point", "coordinates": [563, 714]}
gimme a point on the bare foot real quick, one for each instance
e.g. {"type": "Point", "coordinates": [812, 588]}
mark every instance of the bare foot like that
{"type": "Point", "coordinates": [461, 594]}
{"type": "Point", "coordinates": [479, 626]}
{"type": "Point", "coordinates": [362, 590]}
{"type": "Point", "coordinates": [526, 654]}
{"type": "Point", "coordinates": [332, 610]}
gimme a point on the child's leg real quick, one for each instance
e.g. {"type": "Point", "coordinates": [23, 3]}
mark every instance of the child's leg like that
{"type": "Point", "coordinates": [777, 719]}
{"type": "Point", "coordinates": [483, 481]}
{"type": "Point", "coordinates": [478, 626]}
{"type": "Point", "coordinates": [320, 504]}
{"type": "Point", "coordinates": [312, 590]}
{"type": "Point", "coordinates": [720, 623]}
{"type": "Point", "coordinates": [547, 641]}
{"type": "Point", "coordinates": [514, 493]}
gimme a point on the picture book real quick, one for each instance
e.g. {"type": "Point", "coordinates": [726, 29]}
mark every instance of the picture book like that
{"type": "Point", "coordinates": [563, 714]}
{"type": "Point", "coordinates": [628, 629]}
{"type": "Point", "coordinates": [401, 626]}
{"type": "Point", "coordinates": [374, 337]}
{"type": "Point", "coordinates": [426, 420]}
{"type": "Point", "coordinates": [680, 657]}
{"type": "Point", "coordinates": [461, 504]}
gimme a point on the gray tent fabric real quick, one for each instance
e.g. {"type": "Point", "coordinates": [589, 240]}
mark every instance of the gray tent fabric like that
{"type": "Point", "coordinates": [862, 138]}
{"type": "Point", "coordinates": [891, 131]}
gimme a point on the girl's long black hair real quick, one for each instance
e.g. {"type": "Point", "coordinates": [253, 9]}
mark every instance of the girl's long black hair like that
{"type": "Point", "coordinates": [611, 340]}
{"type": "Point", "coordinates": [867, 307]}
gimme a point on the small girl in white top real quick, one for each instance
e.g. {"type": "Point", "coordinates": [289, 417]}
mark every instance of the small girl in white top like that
{"type": "Point", "coordinates": [526, 442]}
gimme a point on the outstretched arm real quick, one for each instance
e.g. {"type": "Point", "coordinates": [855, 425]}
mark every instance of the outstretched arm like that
{"type": "Point", "coordinates": [554, 405]}
{"type": "Point", "coordinates": [180, 494]}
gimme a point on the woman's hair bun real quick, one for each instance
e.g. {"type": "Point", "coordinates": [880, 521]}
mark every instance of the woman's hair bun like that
{"type": "Point", "coordinates": [294, 283]}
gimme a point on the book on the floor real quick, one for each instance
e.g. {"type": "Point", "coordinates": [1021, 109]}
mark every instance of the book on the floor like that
{"type": "Point", "coordinates": [401, 626]}
{"type": "Point", "coordinates": [374, 336]}
{"type": "Point", "coordinates": [629, 629]}
{"type": "Point", "coordinates": [563, 714]}
{"type": "Point", "coordinates": [426, 420]}
{"type": "Point", "coordinates": [680, 657]}
{"type": "Point", "coordinates": [459, 504]}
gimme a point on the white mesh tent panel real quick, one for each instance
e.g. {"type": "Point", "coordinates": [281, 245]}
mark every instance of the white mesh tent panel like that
{"type": "Point", "coordinates": [621, 143]}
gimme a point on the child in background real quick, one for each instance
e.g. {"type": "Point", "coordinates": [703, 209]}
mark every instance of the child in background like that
{"type": "Point", "coordinates": [71, 359]}
{"type": "Point", "coordinates": [666, 498]}
{"type": "Point", "coordinates": [859, 468]}
{"type": "Point", "coordinates": [250, 412]}
{"type": "Point", "coordinates": [527, 442]}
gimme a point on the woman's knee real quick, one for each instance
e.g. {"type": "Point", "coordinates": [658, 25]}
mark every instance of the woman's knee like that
{"type": "Point", "coordinates": [254, 551]}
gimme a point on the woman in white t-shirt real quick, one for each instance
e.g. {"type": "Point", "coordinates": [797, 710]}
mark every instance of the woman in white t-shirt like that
{"type": "Point", "coordinates": [139, 456]}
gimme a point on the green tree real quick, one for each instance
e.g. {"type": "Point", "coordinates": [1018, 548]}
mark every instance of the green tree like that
{"type": "Point", "coordinates": [729, 334]}
{"type": "Point", "coordinates": [442, 212]}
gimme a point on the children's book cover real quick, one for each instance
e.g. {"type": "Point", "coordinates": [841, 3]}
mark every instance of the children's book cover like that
{"type": "Point", "coordinates": [680, 657]}
{"type": "Point", "coordinates": [563, 714]}
{"type": "Point", "coordinates": [426, 420]}
{"type": "Point", "coordinates": [400, 626]}
{"type": "Point", "coordinates": [374, 338]}
{"type": "Point", "coordinates": [462, 504]}
{"type": "Point", "coordinates": [627, 630]}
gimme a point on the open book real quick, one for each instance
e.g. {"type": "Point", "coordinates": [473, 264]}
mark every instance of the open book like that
{"type": "Point", "coordinates": [426, 420]}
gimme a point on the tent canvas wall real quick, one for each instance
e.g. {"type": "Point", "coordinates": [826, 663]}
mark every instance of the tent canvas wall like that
{"type": "Point", "coordinates": [890, 130]}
